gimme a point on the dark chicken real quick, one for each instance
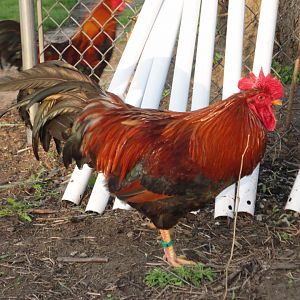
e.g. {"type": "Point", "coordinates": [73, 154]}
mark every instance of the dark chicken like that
{"type": "Point", "coordinates": [90, 47]}
{"type": "Point", "coordinates": [163, 163]}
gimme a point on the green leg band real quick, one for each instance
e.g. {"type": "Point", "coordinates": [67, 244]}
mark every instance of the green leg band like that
{"type": "Point", "coordinates": [166, 245]}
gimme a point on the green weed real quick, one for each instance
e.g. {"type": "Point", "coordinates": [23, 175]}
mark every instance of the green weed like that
{"type": "Point", "coordinates": [13, 207]}
{"type": "Point", "coordinates": [179, 276]}
{"type": "Point", "coordinates": [110, 297]}
{"type": "Point", "coordinates": [285, 72]}
{"type": "Point", "coordinates": [92, 181]}
{"type": "Point", "coordinates": [218, 57]}
{"type": "Point", "coordinates": [283, 236]}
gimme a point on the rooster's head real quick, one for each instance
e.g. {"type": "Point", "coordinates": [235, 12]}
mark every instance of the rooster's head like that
{"type": "Point", "coordinates": [267, 91]}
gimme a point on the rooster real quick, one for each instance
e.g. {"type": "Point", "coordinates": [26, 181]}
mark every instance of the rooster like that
{"type": "Point", "coordinates": [91, 47]}
{"type": "Point", "coordinates": [163, 163]}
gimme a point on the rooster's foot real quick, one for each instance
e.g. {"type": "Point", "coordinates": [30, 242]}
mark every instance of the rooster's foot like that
{"type": "Point", "coordinates": [170, 256]}
{"type": "Point", "coordinates": [178, 261]}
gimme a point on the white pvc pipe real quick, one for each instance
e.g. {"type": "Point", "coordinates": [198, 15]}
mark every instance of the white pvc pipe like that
{"type": "Point", "coordinates": [293, 202]}
{"type": "Point", "coordinates": [134, 47]}
{"type": "Point", "coordinates": [150, 76]}
{"type": "Point", "coordinates": [79, 179]}
{"type": "Point", "coordinates": [77, 184]}
{"type": "Point", "coordinates": [185, 55]}
{"type": "Point", "coordinates": [167, 23]}
{"type": "Point", "coordinates": [265, 36]}
{"type": "Point", "coordinates": [234, 47]}
{"type": "Point", "coordinates": [152, 49]}
{"type": "Point", "coordinates": [262, 59]}
{"type": "Point", "coordinates": [224, 205]}
{"type": "Point", "coordinates": [99, 196]}
{"type": "Point", "coordinates": [119, 83]}
{"type": "Point", "coordinates": [205, 54]}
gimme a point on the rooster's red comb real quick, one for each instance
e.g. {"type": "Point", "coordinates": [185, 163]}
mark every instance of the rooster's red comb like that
{"type": "Point", "coordinates": [269, 84]}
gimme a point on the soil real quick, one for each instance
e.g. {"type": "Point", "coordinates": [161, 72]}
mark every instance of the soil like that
{"type": "Point", "coordinates": [266, 260]}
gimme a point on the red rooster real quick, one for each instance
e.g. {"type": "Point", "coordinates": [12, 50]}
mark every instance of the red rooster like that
{"type": "Point", "coordinates": [163, 163]}
{"type": "Point", "coordinates": [90, 47]}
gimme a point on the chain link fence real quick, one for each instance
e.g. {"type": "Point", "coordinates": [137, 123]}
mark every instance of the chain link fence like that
{"type": "Point", "coordinates": [115, 27]}
{"type": "Point", "coordinates": [89, 34]}
{"type": "Point", "coordinates": [285, 47]}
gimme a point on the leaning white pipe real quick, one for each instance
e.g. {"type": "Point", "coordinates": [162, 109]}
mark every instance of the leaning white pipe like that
{"type": "Point", "coordinates": [265, 36]}
{"type": "Point", "coordinates": [77, 184]}
{"type": "Point", "coordinates": [80, 178]}
{"type": "Point", "coordinates": [205, 54]}
{"type": "Point", "coordinates": [168, 22]}
{"type": "Point", "coordinates": [293, 202]}
{"type": "Point", "coordinates": [120, 82]}
{"type": "Point", "coordinates": [150, 76]}
{"type": "Point", "coordinates": [224, 205]}
{"type": "Point", "coordinates": [262, 60]}
{"type": "Point", "coordinates": [29, 51]}
{"type": "Point", "coordinates": [185, 55]}
{"type": "Point", "coordinates": [134, 47]}
{"type": "Point", "coordinates": [152, 51]}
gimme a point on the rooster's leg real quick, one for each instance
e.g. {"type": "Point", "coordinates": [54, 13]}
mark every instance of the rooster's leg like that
{"type": "Point", "coordinates": [170, 256]}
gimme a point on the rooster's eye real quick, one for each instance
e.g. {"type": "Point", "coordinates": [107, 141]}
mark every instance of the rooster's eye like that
{"type": "Point", "coordinates": [260, 97]}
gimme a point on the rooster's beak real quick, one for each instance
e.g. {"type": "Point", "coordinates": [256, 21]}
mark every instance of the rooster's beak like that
{"type": "Point", "coordinates": [277, 102]}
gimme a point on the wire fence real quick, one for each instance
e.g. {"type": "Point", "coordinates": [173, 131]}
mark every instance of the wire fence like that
{"type": "Point", "coordinates": [91, 35]}
{"type": "Point", "coordinates": [114, 28]}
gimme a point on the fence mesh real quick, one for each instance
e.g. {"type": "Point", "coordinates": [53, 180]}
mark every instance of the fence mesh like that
{"type": "Point", "coordinates": [115, 27]}
{"type": "Point", "coordinates": [87, 33]}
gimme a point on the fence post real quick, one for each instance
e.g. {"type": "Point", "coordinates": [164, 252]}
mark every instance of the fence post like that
{"type": "Point", "coordinates": [28, 40]}
{"type": "Point", "coordinates": [39, 13]}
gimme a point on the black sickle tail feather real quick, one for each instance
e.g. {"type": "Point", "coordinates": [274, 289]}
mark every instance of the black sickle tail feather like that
{"type": "Point", "coordinates": [61, 91]}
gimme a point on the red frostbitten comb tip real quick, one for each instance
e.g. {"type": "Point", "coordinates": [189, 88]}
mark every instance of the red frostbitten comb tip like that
{"type": "Point", "coordinates": [271, 85]}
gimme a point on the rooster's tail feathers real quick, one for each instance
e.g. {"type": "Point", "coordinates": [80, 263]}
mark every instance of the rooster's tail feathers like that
{"type": "Point", "coordinates": [62, 92]}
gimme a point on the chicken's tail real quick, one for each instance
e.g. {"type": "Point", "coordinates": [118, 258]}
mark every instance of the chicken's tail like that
{"type": "Point", "coordinates": [62, 92]}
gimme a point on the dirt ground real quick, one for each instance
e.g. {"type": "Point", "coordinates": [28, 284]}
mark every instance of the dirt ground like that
{"type": "Point", "coordinates": [38, 231]}
{"type": "Point", "coordinates": [266, 261]}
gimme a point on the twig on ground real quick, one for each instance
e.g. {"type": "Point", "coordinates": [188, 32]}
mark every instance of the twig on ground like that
{"type": "Point", "coordinates": [94, 259]}
{"type": "Point", "coordinates": [23, 150]}
{"type": "Point", "coordinates": [286, 266]}
{"type": "Point", "coordinates": [10, 124]}
{"type": "Point", "coordinates": [42, 211]}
